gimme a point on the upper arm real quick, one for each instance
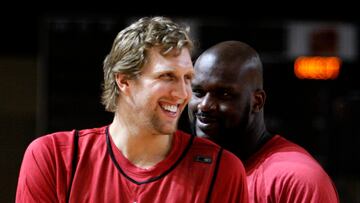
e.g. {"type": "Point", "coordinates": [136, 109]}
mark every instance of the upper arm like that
{"type": "Point", "coordinates": [36, 181]}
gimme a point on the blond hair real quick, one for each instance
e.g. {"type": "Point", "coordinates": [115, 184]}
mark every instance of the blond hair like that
{"type": "Point", "coordinates": [129, 51]}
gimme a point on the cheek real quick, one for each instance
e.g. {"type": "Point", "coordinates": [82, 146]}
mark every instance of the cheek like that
{"type": "Point", "coordinates": [158, 90]}
{"type": "Point", "coordinates": [149, 95]}
{"type": "Point", "coordinates": [238, 113]}
{"type": "Point", "coordinates": [227, 108]}
{"type": "Point", "coordinates": [232, 112]}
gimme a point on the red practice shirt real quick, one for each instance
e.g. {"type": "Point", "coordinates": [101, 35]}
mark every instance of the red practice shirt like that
{"type": "Point", "coordinates": [284, 172]}
{"type": "Point", "coordinates": [103, 174]}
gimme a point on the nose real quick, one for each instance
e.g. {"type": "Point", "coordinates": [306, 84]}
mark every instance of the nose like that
{"type": "Point", "coordinates": [208, 103]}
{"type": "Point", "coordinates": [182, 90]}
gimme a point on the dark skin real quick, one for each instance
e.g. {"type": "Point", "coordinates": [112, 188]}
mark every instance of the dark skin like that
{"type": "Point", "coordinates": [228, 98]}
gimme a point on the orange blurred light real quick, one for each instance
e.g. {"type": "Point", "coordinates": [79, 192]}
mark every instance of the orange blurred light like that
{"type": "Point", "coordinates": [317, 67]}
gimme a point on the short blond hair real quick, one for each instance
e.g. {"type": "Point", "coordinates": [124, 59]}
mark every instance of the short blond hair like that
{"type": "Point", "coordinates": [129, 49]}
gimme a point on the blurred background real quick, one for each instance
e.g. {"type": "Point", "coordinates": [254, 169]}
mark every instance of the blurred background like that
{"type": "Point", "coordinates": [51, 75]}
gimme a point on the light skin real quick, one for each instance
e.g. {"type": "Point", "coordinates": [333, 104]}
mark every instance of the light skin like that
{"type": "Point", "coordinates": [228, 99]}
{"type": "Point", "coordinates": [150, 105]}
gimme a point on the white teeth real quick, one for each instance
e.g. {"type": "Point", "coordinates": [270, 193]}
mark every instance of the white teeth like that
{"type": "Point", "coordinates": [172, 108]}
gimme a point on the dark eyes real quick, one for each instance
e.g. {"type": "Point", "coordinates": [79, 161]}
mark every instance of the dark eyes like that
{"type": "Point", "coordinates": [198, 93]}
{"type": "Point", "coordinates": [224, 94]}
{"type": "Point", "coordinates": [220, 94]}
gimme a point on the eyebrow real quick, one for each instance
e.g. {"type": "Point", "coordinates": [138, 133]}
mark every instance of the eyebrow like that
{"type": "Point", "coordinates": [195, 86]}
{"type": "Point", "coordinates": [213, 87]}
{"type": "Point", "coordinates": [166, 69]}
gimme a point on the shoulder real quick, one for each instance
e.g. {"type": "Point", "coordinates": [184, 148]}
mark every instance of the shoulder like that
{"type": "Point", "coordinates": [48, 150]}
{"type": "Point", "coordinates": [47, 142]}
{"type": "Point", "coordinates": [289, 164]}
{"type": "Point", "coordinates": [93, 132]}
{"type": "Point", "coordinates": [296, 168]}
{"type": "Point", "coordinates": [60, 142]}
{"type": "Point", "coordinates": [299, 176]}
{"type": "Point", "coordinates": [286, 156]}
{"type": "Point", "coordinates": [232, 165]}
{"type": "Point", "coordinates": [286, 170]}
{"type": "Point", "coordinates": [289, 158]}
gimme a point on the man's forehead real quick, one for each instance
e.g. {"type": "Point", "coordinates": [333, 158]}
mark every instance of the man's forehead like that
{"type": "Point", "coordinates": [217, 73]}
{"type": "Point", "coordinates": [215, 82]}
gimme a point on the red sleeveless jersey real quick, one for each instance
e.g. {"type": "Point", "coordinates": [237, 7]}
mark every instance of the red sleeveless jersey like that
{"type": "Point", "coordinates": [189, 173]}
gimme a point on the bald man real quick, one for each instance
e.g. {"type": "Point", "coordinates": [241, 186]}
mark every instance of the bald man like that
{"type": "Point", "coordinates": [227, 107]}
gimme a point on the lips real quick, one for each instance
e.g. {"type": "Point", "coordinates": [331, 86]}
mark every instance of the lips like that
{"type": "Point", "coordinates": [206, 119]}
{"type": "Point", "coordinates": [170, 109]}
{"type": "Point", "coordinates": [206, 122]}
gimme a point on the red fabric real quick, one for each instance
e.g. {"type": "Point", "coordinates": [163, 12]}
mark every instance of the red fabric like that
{"type": "Point", "coordinates": [45, 172]}
{"type": "Point", "coordinates": [284, 172]}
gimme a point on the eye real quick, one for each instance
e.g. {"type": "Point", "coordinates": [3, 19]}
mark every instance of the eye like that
{"type": "Point", "coordinates": [198, 92]}
{"type": "Point", "coordinates": [167, 76]}
{"type": "Point", "coordinates": [225, 94]}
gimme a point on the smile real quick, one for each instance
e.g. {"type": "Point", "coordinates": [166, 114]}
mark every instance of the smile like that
{"type": "Point", "coordinates": [171, 108]}
{"type": "Point", "coordinates": [206, 119]}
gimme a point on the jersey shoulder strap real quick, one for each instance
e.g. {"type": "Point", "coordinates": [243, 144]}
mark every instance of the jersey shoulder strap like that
{"type": "Point", "coordinates": [73, 162]}
{"type": "Point", "coordinates": [213, 179]}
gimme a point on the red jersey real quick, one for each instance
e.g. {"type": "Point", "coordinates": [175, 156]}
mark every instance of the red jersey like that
{"type": "Point", "coordinates": [284, 172]}
{"type": "Point", "coordinates": [103, 174]}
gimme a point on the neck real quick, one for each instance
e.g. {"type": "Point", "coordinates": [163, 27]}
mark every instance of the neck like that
{"type": "Point", "coordinates": [255, 139]}
{"type": "Point", "coordinates": [262, 140]}
{"type": "Point", "coordinates": [143, 149]}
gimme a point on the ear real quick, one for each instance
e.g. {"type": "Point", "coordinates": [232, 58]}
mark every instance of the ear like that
{"type": "Point", "coordinates": [259, 97]}
{"type": "Point", "coordinates": [122, 82]}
